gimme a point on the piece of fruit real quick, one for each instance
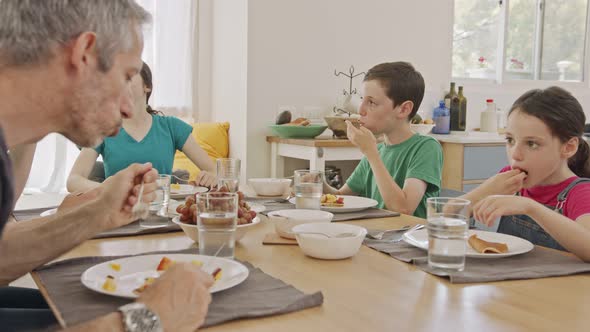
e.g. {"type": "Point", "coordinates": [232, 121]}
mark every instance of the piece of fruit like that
{"type": "Point", "coordinates": [417, 119]}
{"type": "Point", "coordinates": [109, 284]}
{"type": "Point", "coordinates": [216, 274]}
{"type": "Point", "coordinates": [115, 266]}
{"type": "Point", "coordinates": [175, 186]}
{"type": "Point", "coordinates": [165, 263]}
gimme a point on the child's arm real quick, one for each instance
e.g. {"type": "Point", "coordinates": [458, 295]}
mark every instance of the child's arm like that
{"type": "Point", "coordinates": [78, 179]}
{"type": "Point", "coordinates": [506, 183]}
{"type": "Point", "coordinates": [345, 190]}
{"type": "Point", "coordinates": [201, 159]}
{"type": "Point", "coordinates": [404, 200]}
{"type": "Point", "coordinates": [573, 236]}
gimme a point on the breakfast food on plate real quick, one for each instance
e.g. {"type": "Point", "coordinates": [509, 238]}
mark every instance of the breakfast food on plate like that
{"type": "Point", "coordinates": [114, 266]}
{"type": "Point", "coordinates": [164, 264]}
{"type": "Point", "coordinates": [299, 122]}
{"type": "Point", "coordinates": [146, 283]}
{"type": "Point", "coordinates": [332, 200]}
{"type": "Point", "coordinates": [188, 210]}
{"type": "Point", "coordinates": [216, 274]}
{"type": "Point", "coordinates": [485, 247]}
{"type": "Point", "coordinates": [109, 284]}
{"type": "Point", "coordinates": [175, 186]}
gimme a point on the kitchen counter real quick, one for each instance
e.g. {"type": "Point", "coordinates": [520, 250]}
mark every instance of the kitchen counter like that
{"type": "Point", "coordinates": [470, 137]}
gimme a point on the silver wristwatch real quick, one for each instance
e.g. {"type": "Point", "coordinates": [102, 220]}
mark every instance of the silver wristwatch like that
{"type": "Point", "coordinates": [137, 317]}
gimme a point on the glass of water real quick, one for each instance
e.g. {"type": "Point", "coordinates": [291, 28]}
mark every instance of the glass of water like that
{"type": "Point", "coordinates": [216, 222]}
{"type": "Point", "coordinates": [447, 232]}
{"type": "Point", "coordinates": [158, 216]}
{"type": "Point", "coordinates": [228, 173]}
{"type": "Point", "coordinates": [308, 189]}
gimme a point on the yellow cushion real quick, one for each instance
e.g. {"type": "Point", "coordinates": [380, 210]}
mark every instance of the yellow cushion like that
{"type": "Point", "coordinates": [213, 137]}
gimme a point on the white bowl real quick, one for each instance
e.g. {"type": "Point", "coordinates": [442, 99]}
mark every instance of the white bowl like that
{"type": "Point", "coordinates": [323, 247]}
{"type": "Point", "coordinates": [285, 220]}
{"type": "Point", "coordinates": [193, 232]}
{"type": "Point", "coordinates": [423, 129]}
{"type": "Point", "coordinates": [269, 186]}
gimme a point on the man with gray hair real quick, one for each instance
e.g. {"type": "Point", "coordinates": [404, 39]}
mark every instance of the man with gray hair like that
{"type": "Point", "coordinates": [65, 67]}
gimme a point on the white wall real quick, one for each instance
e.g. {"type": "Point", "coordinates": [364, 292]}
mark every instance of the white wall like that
{"type": "Point", "coordinates": [229, 59]}
{"type": "Point", "coordinates": [293, 48]}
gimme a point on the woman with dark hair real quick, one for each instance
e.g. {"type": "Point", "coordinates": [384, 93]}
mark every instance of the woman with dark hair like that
{"type": "Point", "coordinates": [548, 172]}
{"type": "Point", "coordinates": [146, 136]}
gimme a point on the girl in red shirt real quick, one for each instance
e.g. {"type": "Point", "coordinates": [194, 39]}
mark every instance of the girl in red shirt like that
{"type": "Point", "coordinates": [548, 172]}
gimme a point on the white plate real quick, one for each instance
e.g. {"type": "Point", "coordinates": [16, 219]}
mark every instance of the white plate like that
{"type": "Point", "coordinates": [135, 269]}
{"type": "Point", "coordinates": [516, 245]}
{"type": "Point", "coordinates": [185, 190]}
{"type": "Point", "coordinates": [191, 229]}
{"type": "Point", "coordinates": [172, 205]}
{"type": "Point", "coordinates": [48, 212]}
{"type": "Point", "coordinates": [256, 207]}
{"type": "Point", "coordinates": [351, 204]}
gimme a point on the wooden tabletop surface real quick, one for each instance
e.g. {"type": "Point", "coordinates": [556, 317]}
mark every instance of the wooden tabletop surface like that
{"type": "Point", "coordinates": [374, 292]}
{"type": "Point", "coordinates": [313, 142]}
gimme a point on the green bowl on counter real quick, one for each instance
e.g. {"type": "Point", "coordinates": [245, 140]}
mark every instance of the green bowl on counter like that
{"type": "Point", "coordinates": [285, 131]}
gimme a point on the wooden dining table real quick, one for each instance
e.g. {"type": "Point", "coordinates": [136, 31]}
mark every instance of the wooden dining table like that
{"type": "Point", "coordinates": [373, 292]}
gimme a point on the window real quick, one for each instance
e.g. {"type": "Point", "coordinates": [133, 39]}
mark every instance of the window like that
{"type": "Point", "coordinates": [520, 39]}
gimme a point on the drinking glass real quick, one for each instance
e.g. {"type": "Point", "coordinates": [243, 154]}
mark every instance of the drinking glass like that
{"type": "Point", "coordinates": [447, 232]}
{"type": "Point", "coordinates": [158, 216]}
{"type": "Point", "coordinates": [216, 222]}
{"type": "Point", "coordinates": [308, 189]}
{"type": "Point", "coordinates": [228, 173]}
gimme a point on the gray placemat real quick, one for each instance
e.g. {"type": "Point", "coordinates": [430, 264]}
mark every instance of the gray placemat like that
{"type": "Point", "coordinates": [538, 263]}
{"type": "Point", "coordinates": [259, 295]}
{"type": "Point", "coordinates": [135, 229]}
{"type": "Point", "coordinates": [364, 214]}
{"type": "Point", "coordinates": [128, 230]}
{"type": "Point", "coordinates": [23, 215]}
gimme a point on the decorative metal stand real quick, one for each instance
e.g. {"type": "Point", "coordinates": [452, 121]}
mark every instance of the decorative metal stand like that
{"type": "Point", "coordinates": [350, 75]}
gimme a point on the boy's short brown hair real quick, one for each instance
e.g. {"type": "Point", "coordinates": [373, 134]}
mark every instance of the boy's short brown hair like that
{"type": "Point", "coordinates": [401, 81]}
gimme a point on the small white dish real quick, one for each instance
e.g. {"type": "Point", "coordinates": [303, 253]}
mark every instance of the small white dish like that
{"type": "Point", "coordinates": [192, 231]}
{"type": "Point", "coordinates": [269, 186]}
{"type": "Point", "coordinates": [351, 204]}
{"type": "Point", "coordinates": [182, 190]}
{"type": "Point", "coordinates": [285, 220]}
{"type": "Point", "coordinates": [48, 212]}
{"type": "Point", "coordinates": [516, 245]}
{"type": "Point", "coordinates": [332, 247]}
{"type": "Point", "coordinates": [257, 207]}
{"type": "Point", "coordinates": [134, 270]}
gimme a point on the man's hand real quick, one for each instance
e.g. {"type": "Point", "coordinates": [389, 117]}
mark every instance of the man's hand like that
{"type": "Point", "coordinates": [118, 193]}
{"type": "Point", "coordinates": [180, 297]}
{"type": "Point", "coordinates": [362, 138]}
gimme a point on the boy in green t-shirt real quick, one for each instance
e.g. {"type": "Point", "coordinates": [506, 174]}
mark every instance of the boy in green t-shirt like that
{"type": "Point", "coordinates": [406, 169]}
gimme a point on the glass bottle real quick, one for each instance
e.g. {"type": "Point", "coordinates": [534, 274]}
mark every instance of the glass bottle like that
{"type": "Point", "coordinates": [449, 96]}
{"type": "Point", "coordinates": [462, 109]}
{"type": "Point", "coordinates": [442, 119]}
{"type": "Point", "coordinates": [455, 114]}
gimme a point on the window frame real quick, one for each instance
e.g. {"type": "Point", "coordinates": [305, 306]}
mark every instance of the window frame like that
{"type": "Point", "coordinates": [501, 75]}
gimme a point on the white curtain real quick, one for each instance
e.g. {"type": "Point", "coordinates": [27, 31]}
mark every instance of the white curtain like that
{"type": "Point", "coordinates": [168, 50]}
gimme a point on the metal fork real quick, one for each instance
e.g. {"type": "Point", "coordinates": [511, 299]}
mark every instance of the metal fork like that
{"type": "Point", "coordinates": [414, 228]}
{"type": "Point", "coordinates": [380, 235]}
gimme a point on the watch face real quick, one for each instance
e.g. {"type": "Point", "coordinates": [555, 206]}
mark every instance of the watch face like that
{"type": "Point", "coordinates": [138, 318]}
